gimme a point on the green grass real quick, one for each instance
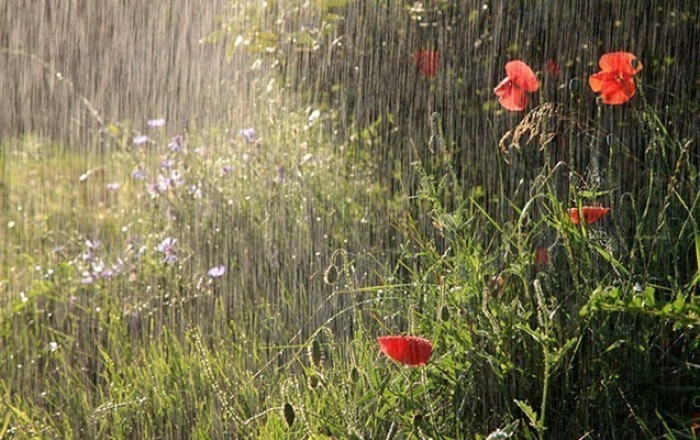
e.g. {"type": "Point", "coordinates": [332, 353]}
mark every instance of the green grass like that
{"type": "Point", "coordinates": [323, 256]}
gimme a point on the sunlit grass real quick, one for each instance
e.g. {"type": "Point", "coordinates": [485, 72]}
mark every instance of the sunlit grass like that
{"type": "Point", "coordinates": [282, 343]}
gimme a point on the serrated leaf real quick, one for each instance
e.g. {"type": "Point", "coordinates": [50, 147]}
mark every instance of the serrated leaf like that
{"type": "Point", "coordinates": [530, 413]}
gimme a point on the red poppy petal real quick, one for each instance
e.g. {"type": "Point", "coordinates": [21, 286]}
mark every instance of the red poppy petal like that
{"type": "Point", "coordinates": [617, 97]}
{"type": "Point", "coordinates": [611, 87]}
{"type": "Point", "coordinates": [621, 62]}
{"type": "Point", "coordinates": [628, 87]}
{"type": "Point", "coordinates": [426, 62]}
{"type": "Point", "coordinates": [408, 350]}
{"type": "Point", "coordinates": [553, 68]}
{"type": "Point", "coordinates": [573, 215]}
{"type": "Point", "coordinates": [597, 80]}
{"type": "Point", "coordinates": [514, 99]}
{"type": "Point", "coordinates": [522, 75]}
{"type": "Point", "coordinates": [593, 213]}
{"type": "Point", "coordinates": [503, 87]}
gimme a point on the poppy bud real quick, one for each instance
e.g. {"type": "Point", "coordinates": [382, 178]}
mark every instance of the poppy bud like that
{"type": "Point", "coordinates": [314, 381]}
{"type": "Point", "coordinates": [354, 375]}
{"type": "Point", "coordinates": [330, 275]}
{"type": "Point", "coordinates": [609, 139]}
{"type": "Point", "coordinates": [574, 84]}
{"type": "Point", "coordinates": [288, 413]}
{"type": "Point", "coordinates": [315, 353]}
{"type": "Point", "coordinates": [445, 313]}
{"type": "Point", "coordinates": [417, 420]}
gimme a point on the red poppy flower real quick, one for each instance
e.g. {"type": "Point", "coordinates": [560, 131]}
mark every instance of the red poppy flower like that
{"type": "Point", "coordinates": [553, 68]}
{"type": "Point", "coordinates": [591, 214]}
{"type": "Point", "coordinates": [426, 62]}
{"type": "Point", "coordinates": [408, 350]}
{"type": "Point", "coordinates": [614, 81]}
{"type": "Point", "coordinates": [511, 91]}
{"type": "Point", "coordinates": [542, 256]}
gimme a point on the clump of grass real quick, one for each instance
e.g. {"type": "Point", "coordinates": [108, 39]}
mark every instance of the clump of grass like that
{"type": "Point", "coordinates": [516, 335]}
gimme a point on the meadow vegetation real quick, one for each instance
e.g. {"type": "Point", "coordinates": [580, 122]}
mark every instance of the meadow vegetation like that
{"type": "Point", "coordinates": [230, 281]}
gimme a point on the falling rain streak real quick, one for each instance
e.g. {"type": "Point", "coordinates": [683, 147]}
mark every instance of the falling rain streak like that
{"type": "Point", "coordinates": [215, 215]}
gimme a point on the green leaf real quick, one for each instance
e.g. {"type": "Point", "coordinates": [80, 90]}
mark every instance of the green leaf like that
{"type": "Point", "coordinates": [612, 260]}
{"type": "Point", "coordinates": [679, 304]}
{"type": "Point", "coordinates": [649, 299]}
{"type": "Point", "coordinates": [530, 413]}
{"type": "Point", "coordinates": [615, 345]}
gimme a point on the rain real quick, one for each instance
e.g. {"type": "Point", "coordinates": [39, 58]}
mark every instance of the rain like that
{"type": "Point", "coordinates": [350, 219]}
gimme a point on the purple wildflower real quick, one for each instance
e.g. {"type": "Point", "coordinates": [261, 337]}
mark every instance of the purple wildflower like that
{"type": "Point", "coordinates": [167, 164]}
{"type": "Point", "coordinates": [156, 123]}
{"type": "Point", "coordinates": [226, 169]}
{"type": "Point", "coordinates": [92, 244]}
{"type": "Point", "coordinates": [113, 186]}
{"type": "Point", "coordinates": [158, 186]}
{"type": "Point", "coordinates": [195, 190]}
{"type": "Point", "coordinates": [87, 278]}
{"type": "Point", "coordinates": [163, 183]}
{"type": "Point", "coordinates": [153, 189]}
{"type": "Point", "coordinates": [217, 271]}
{"type": "Point", "coordinates": [177, 143]}
{"type": "Point", "coordinates": [141, 139]}
{"type": "Point", "coordinates": [249, 134]}
{"type": "Point", "coordinates": [176, 179]}
{"type": "Point", "coordinates": [167, 248]}
{"type": "Point", "coordinates": [138, 173]}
